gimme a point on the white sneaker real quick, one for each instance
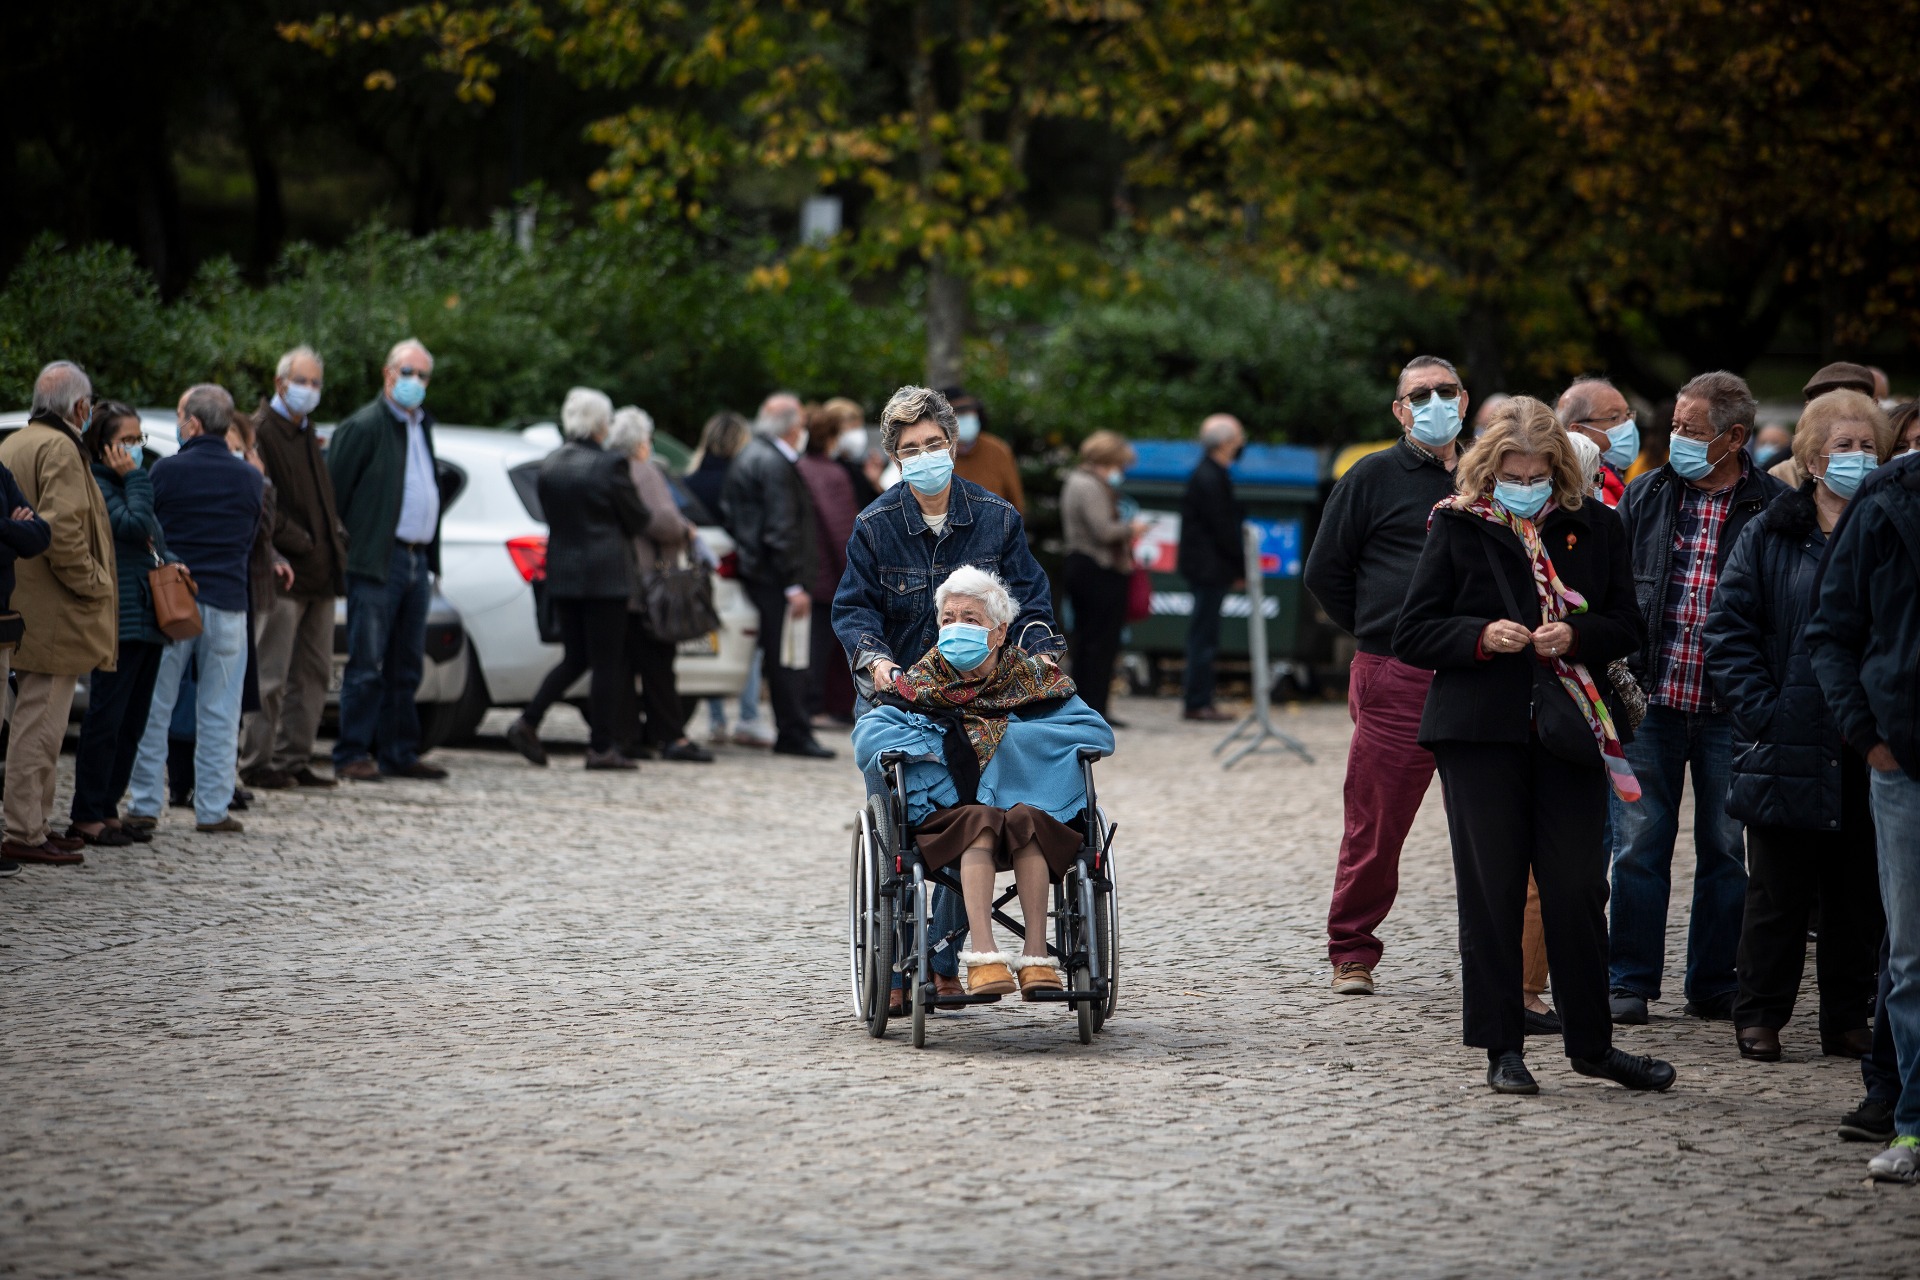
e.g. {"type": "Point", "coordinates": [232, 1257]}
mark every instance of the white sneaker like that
{"type": "Point", "coordinates": [753, 733]}
{"type": "Point", "coordinates": [720, 736]}
{"type": "Point", "coordinates": [1898, 1163]}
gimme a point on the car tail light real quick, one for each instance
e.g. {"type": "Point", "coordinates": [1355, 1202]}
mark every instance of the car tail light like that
{"type": "Point", "coordinates": [529, 556]}
{"type": "Point", "coordinates": [729, 566]}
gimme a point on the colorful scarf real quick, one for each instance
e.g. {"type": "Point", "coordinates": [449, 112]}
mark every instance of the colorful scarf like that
{"type": "Point", "coordinates": [983, 702]}
{"type": "Point", "coordinates": [1557, 602]}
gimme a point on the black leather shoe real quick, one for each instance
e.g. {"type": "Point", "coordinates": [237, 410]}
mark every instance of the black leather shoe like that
{"type": "Point", "coordinates": [1871, 1121]}
{"type": "Point", "coordinates": [1508, 1073]}
{"type": "Point", "coordinates": [1711, 1008]}
{"type": "Point", "coordinates": [1629, 1010]}
{"type": "Point", "coordinates": [1760, 1044]}
{"type": "Point", "coordinates": [809, 749]}
{"type": "Point", "coordinates": [1628, 1070]}
{"type": "Point", "coordinates": [1857, 1043]}
{"type": "Point", "coordinates": [609, 759]}
{"type": "Point", "coordinates": [522, 738]}
{"type": "Point", "coordinates": [418, 769]}
{"type": "Point", "coordinates": [689, 752]}
{"type": "Point", "coordinates": [1543, 1024]}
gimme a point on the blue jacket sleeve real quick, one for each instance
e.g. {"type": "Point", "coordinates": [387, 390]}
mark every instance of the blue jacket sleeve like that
{"type": "Point", "coordinates": [1836, 638]}
{"type": "Point", "coordinates": [25, 538]}
{"type": "Point", "coordinates": [1028, 583]}
{"type": "Point", "coordinates": [857, 615]}
{"type": "Point", "coordinates": [1735, 637]}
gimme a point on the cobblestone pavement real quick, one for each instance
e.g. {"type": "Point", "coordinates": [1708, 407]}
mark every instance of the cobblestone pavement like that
{"type": "Point", "coordinates": [580, 1024]}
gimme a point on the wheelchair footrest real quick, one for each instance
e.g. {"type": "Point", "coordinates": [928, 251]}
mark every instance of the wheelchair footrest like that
{"type": "Point", "coordinates": [1057, 996]}
{"type": "Point", "coordinates": [955, 1002]}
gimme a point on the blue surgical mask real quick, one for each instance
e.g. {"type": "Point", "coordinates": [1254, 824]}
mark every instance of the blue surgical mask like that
{"type": "Point", "coordinates": [408, 392]}
{"type": "Point", "coordinates": [1623, 445]}
{"type": "Point", "coordinates": [1765, 458]}
{"type": "Point", "coordinates": [1688, 456]}
{"type": "Point", "coordinates": [1436, 422]}
{"type": "Point", "coordinates": [964, 645]}
{"type": "Point", "coordinates": [928, 473]}
{"type": "Point", "coordinates": [1846, 472]}
{"type": "Point", "coordinates": [302, 399]}
{"type": "Point", "coordinates": [969, 425]}
{"type": "Point", "coordinates": [138, 452]}
{"type": "Point", "coordinates": [1524, 500]}
{"type": "Point", "coordinates": [1115, 477]}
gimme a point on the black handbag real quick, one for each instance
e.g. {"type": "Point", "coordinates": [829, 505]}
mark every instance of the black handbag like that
{"type": "Point", "coordinates": [680, 603]}
{"type": "Point", "coordinates": [545, 616]}
{"type": "Point", "coordinates": [1557, 719]}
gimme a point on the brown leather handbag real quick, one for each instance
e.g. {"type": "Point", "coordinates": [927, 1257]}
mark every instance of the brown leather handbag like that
{"type": "Point", "coordinates": [176, 608]}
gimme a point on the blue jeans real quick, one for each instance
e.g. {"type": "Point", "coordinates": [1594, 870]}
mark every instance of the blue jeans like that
{"type": "Point", "coordinates": [1203, 646]}
{"type": "Point", "coordinates": [219, 653]}
{"type": "Point", "coordinates": [1669, 745]}
{"type": "Point", "coordinates": [386, 641]}
{"type": "Point", "coordinates": [1896, 815]}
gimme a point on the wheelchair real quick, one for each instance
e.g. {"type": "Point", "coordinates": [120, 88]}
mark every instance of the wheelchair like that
{"type": "Point", "coordinates": [890, 917]}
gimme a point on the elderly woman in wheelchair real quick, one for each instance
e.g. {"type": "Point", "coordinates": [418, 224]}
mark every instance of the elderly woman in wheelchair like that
{"type": "Point", "coordinates": [993, 736]}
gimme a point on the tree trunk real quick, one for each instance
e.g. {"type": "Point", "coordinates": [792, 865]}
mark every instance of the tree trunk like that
{"type": "Point", "coordinates": [946, 328]}
{"type": "Point", "coordinates": [269, 205]}
{"type": "Point", "coordinates": [1483, 330]}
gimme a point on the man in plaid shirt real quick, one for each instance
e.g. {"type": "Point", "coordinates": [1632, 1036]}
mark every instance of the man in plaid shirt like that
{"type": "Point", "coordinates": [1681, 521]}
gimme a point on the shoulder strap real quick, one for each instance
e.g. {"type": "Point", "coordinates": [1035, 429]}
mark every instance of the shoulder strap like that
{"type": "Point", "coordinates": [1500, 579]}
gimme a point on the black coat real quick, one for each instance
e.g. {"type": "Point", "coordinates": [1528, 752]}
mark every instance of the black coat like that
{"type": "Point", "coordinates": [1210, 550]}
{"type": "Point", "coordinates": [1786, 750]}
{"type": "Point", "coordinates": [1454, 596]}
{"type": "Point", "coordinates": [766, 508]}
{"type": "Point", "coordinates": [1650, 509]}
{"type": "Point", "coordinates": [593, 515]}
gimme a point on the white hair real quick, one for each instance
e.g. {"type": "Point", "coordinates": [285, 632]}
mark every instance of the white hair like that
{"type": "Point", "coordinates": [981, 585]}
{"type": "Point", "coordinates": [1217, 430]}
{"type": "Point", "coordinates": [1586, 454]}
{"type": "Point", "coordinates": [408, 344]}
{"type": "Point", "coordinates": [632, 427]}
{"type": "Point", "coordinates": [777, 420]}
{"type": "Point", "coordinates": [285, 366]}
{"type": "Point", "coordinates": [586, 415]}
{"type": "Point", "coordinates": [60, 386]}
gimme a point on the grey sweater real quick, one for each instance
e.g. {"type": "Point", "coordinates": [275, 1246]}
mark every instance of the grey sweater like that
{"type": "Point", "coordinates": [1090, 520]}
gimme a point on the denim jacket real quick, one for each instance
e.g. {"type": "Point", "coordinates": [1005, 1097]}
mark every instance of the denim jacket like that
{"type": "Point", "coordinates": [884, 607]}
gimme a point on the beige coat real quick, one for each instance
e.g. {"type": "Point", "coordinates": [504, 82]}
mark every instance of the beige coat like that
{"type": "Point", "coordinates": [68, 597]}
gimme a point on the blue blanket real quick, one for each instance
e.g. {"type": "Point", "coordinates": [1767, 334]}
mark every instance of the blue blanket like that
{"type": "Point", "coordinates": [1037, 763]}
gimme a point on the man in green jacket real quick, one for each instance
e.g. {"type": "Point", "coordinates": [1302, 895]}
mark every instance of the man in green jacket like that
{"type": "Point", "coordinates": [382, 465]}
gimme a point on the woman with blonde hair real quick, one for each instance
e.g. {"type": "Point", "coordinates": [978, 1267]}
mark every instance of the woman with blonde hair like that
{"type": "Point", "coordinates": [1099, 562]}
{"type": "Point", "coordinates": [1523, 595]}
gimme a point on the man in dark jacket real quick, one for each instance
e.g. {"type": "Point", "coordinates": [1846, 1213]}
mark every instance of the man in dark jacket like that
{"type": "Point", "coordinates": [293, 640]}
{"type": "Point", "coordinates": [1362, 561]}
{"type": "Point", "coordinates": [766, 508]}
{"type": "Point", "coordinates": [593, 515]}
{"type": "Point", "coordinates": [208, 503]}
{"type": "Point", "coordinates": [1863, 641]}
{"type": "Point", "coordinates": [382, 465]}
{"type": "Point", "coordinates": [1211, 559]}
{"type": "Point", "coordinates": [1682, 520]}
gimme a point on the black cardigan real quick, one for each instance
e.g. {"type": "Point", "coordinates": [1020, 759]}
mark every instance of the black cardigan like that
{"type": "Point", "coordinates": [1453, 596]}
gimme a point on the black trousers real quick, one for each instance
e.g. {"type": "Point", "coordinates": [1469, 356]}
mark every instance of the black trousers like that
{"type": "Point", "coordinates": [652, 660]}
{"type": "Point", "coordinates": [594, 636]}
{"type": "Point", "coordinates": [786, 688]}
{"type": "Point", "coordinates": [1511, 809]}
{"type": "Point", "coordinates": [1788, 869]}
{"type": "Point", "coordinates": [117, 703]}
{"type": "Point", "coordinates": [1099, 599]}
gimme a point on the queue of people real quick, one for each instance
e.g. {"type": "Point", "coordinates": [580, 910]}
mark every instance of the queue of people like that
{"type": "Point", "coordinates": [1568, 646]}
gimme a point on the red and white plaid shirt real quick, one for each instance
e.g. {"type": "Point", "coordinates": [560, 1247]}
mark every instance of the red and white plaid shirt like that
{"type": "Point", "coordinates": [1690, 582]}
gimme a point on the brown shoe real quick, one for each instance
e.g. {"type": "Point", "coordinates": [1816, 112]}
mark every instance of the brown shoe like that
{"type": "Point", "coordinates": [1037, 974]}
{"type": "Point", "coordinates": [945, 988]}
{"type": "Point", "coordinates": [1211, 714]}
{"type": "Point", "coordinates": [269, 779]}
{"type": "Point", "coordinates": [1761, 1044]}
{"type": "Point", "coordinates": [988, 973]}
{"type": "Point", "coordinates": [1351, 978]}
{"type": "Point", "coordinates": [227, 826]}
{"type": "Point", "coordinates": [43, 854]}
{"type": "Point", "coordinates": [418, 769]}
{"type": "Point", "coordinates": [306, 777]}
{"type": "Point", "coordinates": [106, 838]}
{"type": "Point", "coordinates": [66, 844]}
{"type": "Point", "coordinates": [359, 771]}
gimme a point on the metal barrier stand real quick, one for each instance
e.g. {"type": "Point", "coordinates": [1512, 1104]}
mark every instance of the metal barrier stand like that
{"type": "Point", "coordinates": [1257, 723]}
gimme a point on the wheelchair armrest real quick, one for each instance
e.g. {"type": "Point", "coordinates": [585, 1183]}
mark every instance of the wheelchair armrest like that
{"type": "Point", "coordinates": [1089, 754]}
{"type": "Point", "coordinates": [888, 759]}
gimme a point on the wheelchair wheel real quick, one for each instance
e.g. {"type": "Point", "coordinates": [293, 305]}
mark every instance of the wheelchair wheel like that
{"type": "Point", "coordinates": [880, 960]}
{"type": "Point", "coordinates": [1106, 924]}
{"type": "Point", "coordinates": [861, 894]}
{"type": "Point", "coordinates": [922, 980]}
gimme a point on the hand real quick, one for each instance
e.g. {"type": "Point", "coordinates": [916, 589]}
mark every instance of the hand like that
{"type": "Point", "coordinates": [119, 459]}
{"type": "Point", "coordinates": [1501, 636]}
{"type": "Point", "coordinates": [799, 604]}
{"type": "Point", "coordinates": [1880, 758]}
{"type": "Point", "coordinates": [23, 513]}
{"type": "Point", "coordinates": [283, 574]}
{"type": "Point", "coordinates": [1553, 640]}
{"type": "Point", "coordinates": [1139, 525]}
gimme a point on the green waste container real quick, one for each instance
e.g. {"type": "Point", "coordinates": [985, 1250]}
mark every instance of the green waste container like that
{"type": "Point", "coordinates": [1279, 488]}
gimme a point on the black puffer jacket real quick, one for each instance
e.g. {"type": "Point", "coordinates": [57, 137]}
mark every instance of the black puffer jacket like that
{"type": "Point", "coordinates": [1786, 750]}
{"type": "Point", "coordinates": [767, 510]}
{"type": "Point", "coordinates": [593, 515]}
{"type": "Point", "coordinates": [1650, 509]}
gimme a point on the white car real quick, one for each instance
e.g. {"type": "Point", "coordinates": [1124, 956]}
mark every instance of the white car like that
{"type": "Point", "coordinates": [492, 547]}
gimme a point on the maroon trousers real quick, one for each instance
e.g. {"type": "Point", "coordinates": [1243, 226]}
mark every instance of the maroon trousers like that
{"type": "Point", "coordinates": [1387, 776]}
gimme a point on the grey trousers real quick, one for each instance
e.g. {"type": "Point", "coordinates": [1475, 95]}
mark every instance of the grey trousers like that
{"type": "Point", "coordinates": [293, 645]}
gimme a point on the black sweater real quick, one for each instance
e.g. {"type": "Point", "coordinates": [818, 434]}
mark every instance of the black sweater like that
{"type": "Point", "coordinates": [1370, 538]}
{"type": "Point", "coordinates": [1210, 552]}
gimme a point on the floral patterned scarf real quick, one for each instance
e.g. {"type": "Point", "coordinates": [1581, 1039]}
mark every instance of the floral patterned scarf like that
{"type": "Point", "coordinates": [982, 703]}
{"type": "Point", "coordinates": [1558, 601]}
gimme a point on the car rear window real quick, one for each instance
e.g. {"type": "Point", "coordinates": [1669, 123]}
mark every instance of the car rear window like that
{"type": "Point", "coordinates": [526, 483]}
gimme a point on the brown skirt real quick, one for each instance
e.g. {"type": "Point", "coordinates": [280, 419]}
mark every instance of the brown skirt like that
{"type": "Point", "coordinates": [948, 833]}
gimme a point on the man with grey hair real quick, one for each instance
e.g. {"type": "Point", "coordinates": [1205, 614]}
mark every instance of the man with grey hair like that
{"type": "Point", "coordinates": [1360, 567]}
{"type": "Point", "coordinates": [1211, 558]}
{"type": "Point", "coordinates": [386, 480]}
{"type": "Point", "coordinates": [1681, 520]}
{"type": "Point", "coordinates": [765, 505]}
{"type": "Point", "coordinates": [67, 600]}
{"type": "Point", "coordinates": [209, 503]}
{"type": "Point", "coordinates": [1592, 409]}
{"type": "Point", "coordinates": [293, 629]}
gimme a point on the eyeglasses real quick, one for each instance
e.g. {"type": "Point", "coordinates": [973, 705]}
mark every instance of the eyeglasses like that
{"type": "Point", "coordinates": [1446, 391]}
{"type": "Point", "coordinates": [911, 452]}
{"type": "Point", "coordinates": [408, 371]}
{"type": "Point", "coordinates": [1603, 424]}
